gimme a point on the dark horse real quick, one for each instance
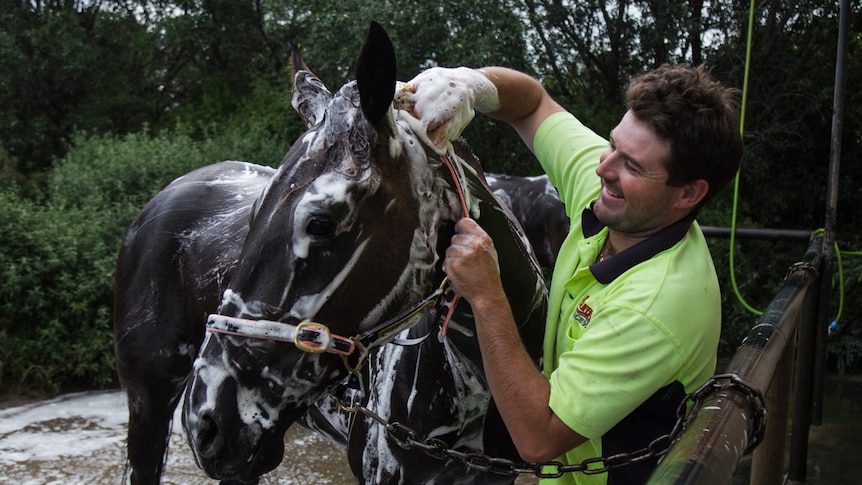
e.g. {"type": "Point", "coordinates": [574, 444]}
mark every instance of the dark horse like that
{"type": "Point", "coordinates": [537, 206]}
{"type": "Point", "coordinates": [314, 269]}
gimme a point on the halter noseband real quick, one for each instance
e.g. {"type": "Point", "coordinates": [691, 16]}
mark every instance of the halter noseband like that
{"type": "Point", "coordinates": [316, 337]}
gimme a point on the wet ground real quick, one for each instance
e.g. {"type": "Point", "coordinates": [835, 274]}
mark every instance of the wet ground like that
{"type": "Point", "coordinates": [79, 439]}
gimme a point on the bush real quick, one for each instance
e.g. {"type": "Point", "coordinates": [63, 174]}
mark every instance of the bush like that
{"type": "Point", "coordinates": [54, 296]}
{"type": "Point", "coordinates": [845, 342]}
{"type": "Point", "coordinates": [57, 254]}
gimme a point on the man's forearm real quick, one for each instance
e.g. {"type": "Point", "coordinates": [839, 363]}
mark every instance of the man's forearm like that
{"type": "Point", "coordinates": [519, 94]}
{"type": "Point", "coordinates": [523, 102]}
{"type": "Point", "coordinates": [520, 391]}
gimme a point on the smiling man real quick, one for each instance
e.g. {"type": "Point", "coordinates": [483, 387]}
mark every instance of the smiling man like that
{"type": "Point", "coordinates": [634, 316]}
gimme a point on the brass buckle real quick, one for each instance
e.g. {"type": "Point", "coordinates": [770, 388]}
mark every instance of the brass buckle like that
{"type": "Point", "coordinates": [313, 347]}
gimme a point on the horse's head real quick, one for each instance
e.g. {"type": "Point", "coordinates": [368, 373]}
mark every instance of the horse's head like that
{"type": "Point", "coordinates": [345, 235]}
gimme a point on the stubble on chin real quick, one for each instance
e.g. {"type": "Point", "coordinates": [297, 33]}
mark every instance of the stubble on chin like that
{"type": "Point", "coordinates": [604, 214]}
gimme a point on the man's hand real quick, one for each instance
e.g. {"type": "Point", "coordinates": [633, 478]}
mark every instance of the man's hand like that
{"type": "Point", "coordinates": [471, 263]}
{"type": "Point", "coordinates": [443, 100]}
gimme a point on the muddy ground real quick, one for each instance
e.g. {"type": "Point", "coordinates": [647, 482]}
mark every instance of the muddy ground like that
{"type": "Point", "coordinates": [79, 439]}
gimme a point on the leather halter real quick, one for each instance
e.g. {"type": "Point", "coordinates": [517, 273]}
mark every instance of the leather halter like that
{"type": "Point", "coordinates": [316, 338]}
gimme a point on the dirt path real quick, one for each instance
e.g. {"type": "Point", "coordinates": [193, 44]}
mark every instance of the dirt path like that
{"type": "Point", "coordinates": [79, 439]}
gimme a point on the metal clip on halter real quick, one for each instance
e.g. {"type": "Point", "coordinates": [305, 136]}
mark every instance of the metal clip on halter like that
{"type": "Point", "coordinates": [321, 341]}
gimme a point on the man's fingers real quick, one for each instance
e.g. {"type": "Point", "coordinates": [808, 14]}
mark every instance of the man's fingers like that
{"type": "Point", "coordinates": [465, 225]}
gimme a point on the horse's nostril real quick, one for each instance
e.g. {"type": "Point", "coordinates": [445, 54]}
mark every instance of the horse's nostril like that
{"type": "Point", "coordinates": [208, 431]}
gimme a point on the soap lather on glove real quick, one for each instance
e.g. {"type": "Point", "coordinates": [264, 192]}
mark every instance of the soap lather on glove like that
{"type": "Point", "coordinates": [444, 99]}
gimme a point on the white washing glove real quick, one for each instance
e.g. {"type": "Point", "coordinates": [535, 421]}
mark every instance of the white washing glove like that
{"type": "Point", "coordinates": [443, 100]}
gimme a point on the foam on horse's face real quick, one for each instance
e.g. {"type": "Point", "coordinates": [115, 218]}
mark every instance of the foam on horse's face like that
{"type": "Point", "coordinates": [345, 235]}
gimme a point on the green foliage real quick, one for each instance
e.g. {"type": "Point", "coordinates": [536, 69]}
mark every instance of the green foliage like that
{"type": "Point", "coordinates": [58, 256]}
{"type": "Point", "coordinates": [784, 176]}
{"type": "Point", "coordinates": [104, 68]}
{"type": "Point", "coordinates": [845, 342]}
{"type": "Point", "coordinates": [54, 295]}
{"type": "Point", "coordinates": [103, 104]}
{"type": "Point", "coordinates": [760, 267]}
{"type": "Point", "coordinates": [63, 70]}
{"type": "Point", "coordinates": [10, 175]}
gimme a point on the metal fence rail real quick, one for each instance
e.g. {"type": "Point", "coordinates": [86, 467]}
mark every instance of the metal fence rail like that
{"type": "Point", "coordinates": [730, 418]}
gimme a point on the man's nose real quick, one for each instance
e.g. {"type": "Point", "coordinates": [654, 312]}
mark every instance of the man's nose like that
{"type": "Point", "coordinates": [607, 165]}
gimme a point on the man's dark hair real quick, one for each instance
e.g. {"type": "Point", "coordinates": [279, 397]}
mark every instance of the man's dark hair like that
{"type": "Point", "coordinates": [699, 116]}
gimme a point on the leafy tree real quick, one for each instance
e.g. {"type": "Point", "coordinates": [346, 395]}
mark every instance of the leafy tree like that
{"type": "Point", "coordinates": [788, 131]}
{"type": "Point", "coordinates": [57, 256]}
{"type": "Point", "coordinates": [68, 66]}
{"type": "Point", "coordinates": [114, 67]}
{"type": "Point", "coordinates": [124, 96]}
{"type": "Point", "coordinates": [449, 33]}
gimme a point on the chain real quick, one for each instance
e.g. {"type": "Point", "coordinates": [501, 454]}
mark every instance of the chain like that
{"type": "Point", "coordinates": [752, 395]}
{"type": "Point", "coordinates": [406, 437]}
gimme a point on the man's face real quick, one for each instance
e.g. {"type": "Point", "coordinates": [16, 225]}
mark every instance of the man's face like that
{"type": "Point", "coordinates": [635, 198]}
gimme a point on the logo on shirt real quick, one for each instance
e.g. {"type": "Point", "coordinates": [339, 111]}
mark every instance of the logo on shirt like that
{"type": "Point", "coordinates": [583, 312]}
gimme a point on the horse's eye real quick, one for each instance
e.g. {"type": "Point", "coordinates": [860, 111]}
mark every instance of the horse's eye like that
{"type": "Point", "coordinates": [321, 226]}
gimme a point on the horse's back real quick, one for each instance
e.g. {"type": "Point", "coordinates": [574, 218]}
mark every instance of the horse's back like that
{"type": "Point", "coordinates": [176, 256]}
{"type": "Point", "coordinates": [536, 204]}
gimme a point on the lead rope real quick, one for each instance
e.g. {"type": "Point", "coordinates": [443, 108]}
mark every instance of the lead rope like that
{"type": "Point", "coordinates": [465, 213]}
{"type": "Point", "coordinates": [458, 188]}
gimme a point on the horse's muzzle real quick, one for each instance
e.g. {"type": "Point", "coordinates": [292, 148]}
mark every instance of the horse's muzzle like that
{"type": "Point", "coordinates": [225, 446]}
{"type": "Point", "coordinates": [227, 450]}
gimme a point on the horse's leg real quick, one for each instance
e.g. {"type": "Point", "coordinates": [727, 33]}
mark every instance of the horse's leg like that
{"type": "Point", "coordinates": [156, 341]}
{"type": "Point", "coordinates": [154, 380]}
{"type": "Point", "coordinates": [149, 433]}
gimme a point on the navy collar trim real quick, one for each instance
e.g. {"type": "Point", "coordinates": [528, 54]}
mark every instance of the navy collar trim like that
{"type": "Point", "coordinates": [608, 270]}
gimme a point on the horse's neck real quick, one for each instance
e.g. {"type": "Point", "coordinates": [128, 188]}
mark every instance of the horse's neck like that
{"type": "Point", "coordinates": [521, 275]}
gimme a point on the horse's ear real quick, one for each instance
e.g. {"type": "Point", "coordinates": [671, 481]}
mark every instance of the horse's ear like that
{"type": "Point", "coordinates": [375, 74]}
{"type": "Point", "coordinates": [296, 62]}
{"type": "Point", "coordinates": [310, 97]}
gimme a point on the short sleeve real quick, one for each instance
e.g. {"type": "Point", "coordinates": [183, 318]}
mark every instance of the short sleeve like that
{"type": "Point", "coordinates": [569, 153]}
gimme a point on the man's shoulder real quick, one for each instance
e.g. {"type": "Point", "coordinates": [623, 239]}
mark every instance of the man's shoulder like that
{"type": "Point", "coordinates": [569, 153]}
{"type": "Point", "coordinates": [681, 279]}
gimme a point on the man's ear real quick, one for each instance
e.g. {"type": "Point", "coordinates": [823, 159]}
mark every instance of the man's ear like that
{"type": "Point", "coordinates": [692, 194]}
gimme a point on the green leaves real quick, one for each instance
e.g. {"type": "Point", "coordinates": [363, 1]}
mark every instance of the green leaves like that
{"type": "Point", "coordinates": [55, 281]}
{"type": "Point", "coordinates": [57, 256]}
{"type": "Point", "coordinates": [101, 105]}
